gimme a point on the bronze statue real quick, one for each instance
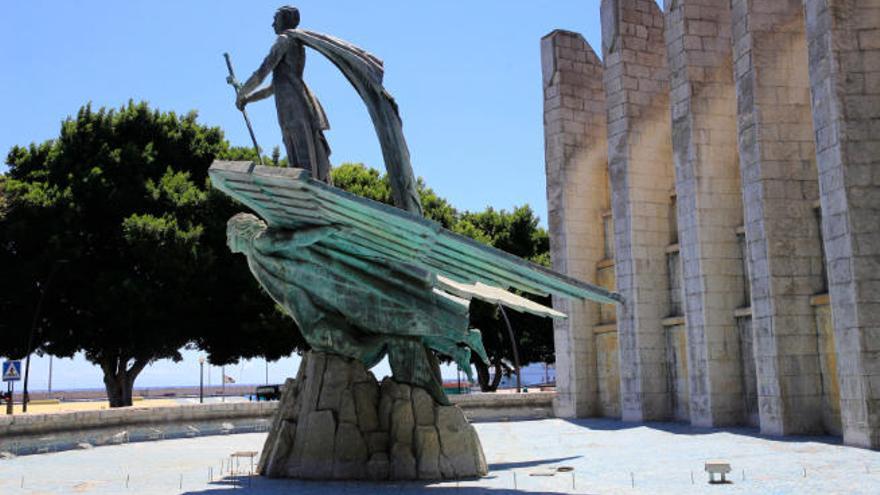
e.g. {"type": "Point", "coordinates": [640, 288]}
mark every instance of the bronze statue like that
{"type": "Point", "coordinates": [364, 281]}
{"type": "Point", "coordinates": [303, 120]}
{"type": "Point", "coordinates": [367, 290]}
{"type": "Point", "coordinates": [300, 115]}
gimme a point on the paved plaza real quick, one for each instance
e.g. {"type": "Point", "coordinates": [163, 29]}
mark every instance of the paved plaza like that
{"type": "Point", "coordinates": [606, 456]}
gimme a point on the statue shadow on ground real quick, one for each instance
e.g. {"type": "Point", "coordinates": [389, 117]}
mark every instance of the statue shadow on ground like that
{"type": "Point", "coordinates": [503, 466]}
{"type": "Point", "coordinates": [605, 424]}
{"type": "Point", "coordinates": [264, 486]}
{"type": "Point", "coordinates": [260, 485]}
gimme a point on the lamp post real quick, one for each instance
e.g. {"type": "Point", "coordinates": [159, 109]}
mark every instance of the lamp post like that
{"type": "Point", "coordinates": [50, 374]}
{"type": "Point", "coordinates": [25, 398]}
{"type": "Point", "coordinates": [9, 396]}
{"type": "Point", "coordinates": [201, 379]}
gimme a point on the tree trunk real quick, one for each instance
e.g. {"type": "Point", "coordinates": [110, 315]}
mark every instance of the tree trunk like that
{"type": "Point", "coordinates": [119, 379]}
{"type": "Point", "coordinates": [119, 389]}
{"type": "Point", "coordinates": [483, 375]}
{"type": "Point", "coordinates": [499, 369]}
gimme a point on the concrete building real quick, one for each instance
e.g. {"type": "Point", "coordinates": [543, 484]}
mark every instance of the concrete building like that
{"type": "Point", "coordinates": [719, 166]}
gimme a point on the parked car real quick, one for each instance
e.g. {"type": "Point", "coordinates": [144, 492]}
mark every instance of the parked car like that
{"type": "Point", "coordinates": [269, 392]}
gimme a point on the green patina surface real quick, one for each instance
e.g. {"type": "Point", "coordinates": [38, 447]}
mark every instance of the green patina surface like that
{"type": "Point", "coordinates": [361, 278]}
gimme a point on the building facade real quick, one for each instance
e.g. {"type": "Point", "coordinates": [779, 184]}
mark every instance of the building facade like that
{"type": "Point", "coordinates": [719, 167]}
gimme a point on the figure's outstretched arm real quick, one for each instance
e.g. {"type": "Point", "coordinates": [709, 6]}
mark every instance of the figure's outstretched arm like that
{"type": "Point", "coordinates": [261, 94]}
{"type": "Point", "coordinates": [275, 54]}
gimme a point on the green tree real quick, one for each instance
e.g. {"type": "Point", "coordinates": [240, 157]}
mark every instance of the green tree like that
{"type": "Point", "coordinates": [4, 203]}
{"type": "Point", "coordinates": [516, 232]}
{"type": "Point", "coordinates": [123, 197]}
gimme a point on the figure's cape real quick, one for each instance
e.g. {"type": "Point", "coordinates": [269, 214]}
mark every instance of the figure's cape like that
{"type": "Point", "coordinates": [365, 71]}
{"type": "Point", "coordinates": [320, 118]}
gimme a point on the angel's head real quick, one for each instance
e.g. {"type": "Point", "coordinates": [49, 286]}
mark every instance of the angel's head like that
{"type": "Point", "coordinates": [241, 230]}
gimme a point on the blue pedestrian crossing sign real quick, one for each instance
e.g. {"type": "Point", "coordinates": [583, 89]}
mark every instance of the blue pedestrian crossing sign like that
{"type": "Point", "coordinates": [11, 371]}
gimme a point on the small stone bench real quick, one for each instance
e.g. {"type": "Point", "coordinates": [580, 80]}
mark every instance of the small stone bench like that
{"type": "Point", "coordinates": [717, 467]}
{"type": "Point", "coordinates": [236, 457]}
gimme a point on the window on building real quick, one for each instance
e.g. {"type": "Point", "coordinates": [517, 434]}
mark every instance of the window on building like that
{"type": "Point", "coordinates": [673, 261]}
{"type": "Point", "coordinates": [608, 228]}
{"type": "Point", "coordinates": [673, 219]}
{"type": "Point", "coordinates": [747, 281]}
{"type": "Point", "coordinates": [817, 213]}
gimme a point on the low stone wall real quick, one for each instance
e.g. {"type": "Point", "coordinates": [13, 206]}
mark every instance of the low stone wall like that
{"type": "Point", "coordinates": [505, 407]}
{"type": "Point", "coordinates": [38, 433]}
{"type": "Point", "coordinates": [25, 434]}
{"type": "Point", "coordinates": [38, 424]}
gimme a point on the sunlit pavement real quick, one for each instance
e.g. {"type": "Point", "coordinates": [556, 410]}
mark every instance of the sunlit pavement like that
{"type": "Point", "coordinates": [49, 407]}
{"type": "Point", "coordinates": [607, 457]}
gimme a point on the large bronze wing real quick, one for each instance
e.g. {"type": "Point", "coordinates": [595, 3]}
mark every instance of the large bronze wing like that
{"type": "Point", "coordinates": [290, 198]}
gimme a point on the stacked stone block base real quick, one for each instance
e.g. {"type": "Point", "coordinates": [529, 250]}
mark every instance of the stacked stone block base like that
{"type": "Point", "coordinates": [336, 422]}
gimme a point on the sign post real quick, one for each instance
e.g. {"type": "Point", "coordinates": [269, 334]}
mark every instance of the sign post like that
{"type": "Point", "coordinates": [11, 374]}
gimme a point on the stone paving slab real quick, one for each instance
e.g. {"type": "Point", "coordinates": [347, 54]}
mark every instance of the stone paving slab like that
{"type": "Point", "coordinates": [603, 453]}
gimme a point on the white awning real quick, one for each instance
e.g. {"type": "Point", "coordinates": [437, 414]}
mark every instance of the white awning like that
{"type": "Point", "coordinates": [496, 295]}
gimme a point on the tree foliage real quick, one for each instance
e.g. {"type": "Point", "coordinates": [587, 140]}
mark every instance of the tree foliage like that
{"type": "Point", "coordinates": [119, 211]}
{"type": "Point", "coordinates": [518, 233]}
{"type": "Point", "coordinates": [115, 227]}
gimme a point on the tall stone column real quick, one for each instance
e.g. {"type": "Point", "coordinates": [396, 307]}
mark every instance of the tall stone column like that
{"type": "Point", "coordinates": [577, 193]}
{"type": "Point", "coordinates": [844, 54]}
{"type": "Point", "coordinates": [779, 179]}
{"type": "Point", "coordinates": [640, 169]}
{"type": "Point", "coordinates": [703, 101]}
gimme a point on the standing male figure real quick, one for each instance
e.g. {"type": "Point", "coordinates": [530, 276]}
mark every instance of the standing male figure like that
{"type": "Point", "coordinates": [300, 115]}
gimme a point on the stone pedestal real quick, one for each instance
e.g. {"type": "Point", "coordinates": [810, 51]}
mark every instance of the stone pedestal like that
{"type": "Point", "coordinates": [336, 422]}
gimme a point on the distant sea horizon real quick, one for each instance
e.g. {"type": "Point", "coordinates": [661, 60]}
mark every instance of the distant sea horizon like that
{"type": "Point", "coordinates": [532, 374]}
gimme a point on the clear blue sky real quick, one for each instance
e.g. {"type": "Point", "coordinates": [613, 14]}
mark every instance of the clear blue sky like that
{"type": "Point", "coordinates": [466, 76]}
